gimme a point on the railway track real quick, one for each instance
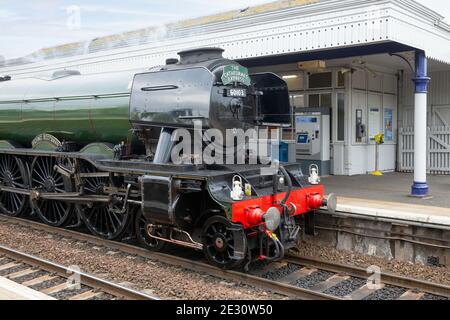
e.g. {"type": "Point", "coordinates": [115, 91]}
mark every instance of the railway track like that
{"type": "Point", "coordinates": [352, 283]}
{"type": "Point", "coordinates": [197, 266]}
{"type": "Point", "coordinates": [55, 280]}
{"type": "Point", "coordinates": [294, 277]}
{"type": "Point", "coordinates": [415, 289]}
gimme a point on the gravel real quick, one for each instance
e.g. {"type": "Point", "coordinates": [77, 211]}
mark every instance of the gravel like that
{"type": "Point", "coordinates": [31, 276]}
{"type": "Point", "coordinates": [5, 260]}
{"type": "Point", "coordinates": [61, 295]}
{"type": "Point", "coordinates": [103, 296]}
{"type": "Point", "coordinates": [48, 284]}
{"type": "Point", "coordinates": [433, 297]}
{"type": "Point", "coordinates": [281, 272]}
{"type": "Point", "coordinates": [313, 279]}
{"type": "Point", "coordinates": [169, 282]}
{"type": "Point", "coordinates": [387, 293]}
{"type": "Point", "coordinates": [346, 287]}
{"type": "Point", "coordinates": [13, 270]}
{"type": "Point", "coordinates": [439, 274]}
{"type": "Point", "coordinates": [166, 281]}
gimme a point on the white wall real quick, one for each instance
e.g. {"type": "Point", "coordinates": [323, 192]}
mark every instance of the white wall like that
{"type": "Point", "coordinates": [438, 100]}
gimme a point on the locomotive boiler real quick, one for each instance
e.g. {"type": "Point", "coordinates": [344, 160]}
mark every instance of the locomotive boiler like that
{"type": "Point", "coordinates": [98, 150]}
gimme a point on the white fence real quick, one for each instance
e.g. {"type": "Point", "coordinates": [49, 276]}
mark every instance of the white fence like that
{"type": "Point", "coordinates": [438, 150]}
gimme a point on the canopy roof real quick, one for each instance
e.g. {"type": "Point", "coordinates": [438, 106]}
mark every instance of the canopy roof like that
{"type": "Point", "coordinates": [276, 28]}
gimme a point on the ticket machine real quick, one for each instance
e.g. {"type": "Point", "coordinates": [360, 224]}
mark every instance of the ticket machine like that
{"type": "Point", "coordinates": [312, 127]}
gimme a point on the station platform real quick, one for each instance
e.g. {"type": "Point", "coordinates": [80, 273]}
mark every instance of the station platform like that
{"type": "Point", "coordinates": [10, 290]}
{"type": "Point", "coordinates": [387, 197]}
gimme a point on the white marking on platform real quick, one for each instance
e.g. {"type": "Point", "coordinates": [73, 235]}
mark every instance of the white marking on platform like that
{"type": "Point", "coordinates": [395, 210]}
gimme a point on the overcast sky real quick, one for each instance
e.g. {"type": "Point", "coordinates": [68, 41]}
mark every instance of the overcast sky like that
{"type": "Point", "coordinates": [27, 26]}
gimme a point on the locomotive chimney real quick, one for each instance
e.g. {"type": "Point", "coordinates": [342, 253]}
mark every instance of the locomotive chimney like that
{"type": "Point", "coordinates": [200, 55]}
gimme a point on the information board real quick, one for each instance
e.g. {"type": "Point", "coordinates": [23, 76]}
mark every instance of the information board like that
{"type": "Point", "coordinates": [374, 123]}
{"type": "Point", "coordinates": [388, 124]}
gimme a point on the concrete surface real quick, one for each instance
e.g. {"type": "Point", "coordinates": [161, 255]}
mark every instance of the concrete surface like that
{"type": "Point", "coordinates": [10, 290]}
{"type": "Point", "coordinates": [391, 187]}
{"type": "Point", "coordinates": [434, 216]}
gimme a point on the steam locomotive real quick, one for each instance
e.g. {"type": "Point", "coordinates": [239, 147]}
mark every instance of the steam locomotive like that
{"type": "Point", "coordinates": [99, 150]}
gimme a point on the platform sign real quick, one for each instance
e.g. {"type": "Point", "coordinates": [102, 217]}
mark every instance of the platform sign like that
{"type": "Point", "coordinates": [234, 73]}
{"type": "Point", "coordinates": [388, 124]}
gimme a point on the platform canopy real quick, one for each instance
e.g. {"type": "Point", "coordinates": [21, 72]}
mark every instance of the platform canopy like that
{"type": "Point", "coordinates": [338, 28]}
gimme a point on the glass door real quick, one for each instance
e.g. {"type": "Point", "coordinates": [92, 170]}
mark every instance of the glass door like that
{"type": "Point", "coordinates": [322, 100]}
{"type": "Point", "coordinates": [338, 135]}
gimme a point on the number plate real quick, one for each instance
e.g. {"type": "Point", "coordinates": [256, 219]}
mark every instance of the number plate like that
{"type": "Point", "coordinates": [238, 93]}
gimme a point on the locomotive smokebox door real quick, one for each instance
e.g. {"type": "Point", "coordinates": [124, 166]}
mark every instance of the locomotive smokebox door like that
{"type": "Point", "coordinates": [157, 199]}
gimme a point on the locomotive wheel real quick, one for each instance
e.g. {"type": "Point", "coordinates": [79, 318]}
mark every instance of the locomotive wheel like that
{"type": "Point", "coordinates": [102, 219]}
{"type": "Point", "coordinates": [219, 242]}
{"type": "Point", "coordinates": [45, 178]}
{"type": "Point", "coordinates": [13, 175]}
{"type": "Point", "coordinates": [142, 229]}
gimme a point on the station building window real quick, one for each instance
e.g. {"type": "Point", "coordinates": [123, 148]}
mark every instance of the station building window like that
{"type": "Point", "coordinates": [315, 90]}
{"type": "Point", "coordinates": [296, 85]}
{"type": "Point", "coordinates": [321, 100]}
{"type": "Point", "coordinates": [297, 100]}
{"type": "Point", "coordinates": [295, 80]}
{"type": "Point", "coordinates": [320, 80]}
{"type": "Point", "coordinates": [340, 79]}
{"type": "Point", "coordinates": [314, 101]}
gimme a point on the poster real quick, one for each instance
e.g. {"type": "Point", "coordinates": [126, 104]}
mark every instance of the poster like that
{"type": "Point", "coordinates": [388, 124]}
{"type": "Point", "coordinates": [374, 123]}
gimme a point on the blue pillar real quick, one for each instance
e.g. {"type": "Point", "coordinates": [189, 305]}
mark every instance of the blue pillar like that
{"type": "Point", "coordinates": [420, 187]}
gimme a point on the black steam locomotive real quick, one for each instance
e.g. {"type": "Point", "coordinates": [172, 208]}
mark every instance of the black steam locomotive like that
{"type": "Point", "coordinates": [92, 150]}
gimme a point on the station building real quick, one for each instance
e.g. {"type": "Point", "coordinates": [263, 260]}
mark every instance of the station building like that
{"type": "Point", "coordinates": [355, 69]}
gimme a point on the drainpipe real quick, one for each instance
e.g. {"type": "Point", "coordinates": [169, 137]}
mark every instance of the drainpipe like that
{"type": "Point", "coordinates": [400, 104]}
{"type": "Point", "coordinates": [420, 187]}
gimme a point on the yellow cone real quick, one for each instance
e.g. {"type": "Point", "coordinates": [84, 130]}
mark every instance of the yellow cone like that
{"type": "Point", "coordinates": [377, 173]}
